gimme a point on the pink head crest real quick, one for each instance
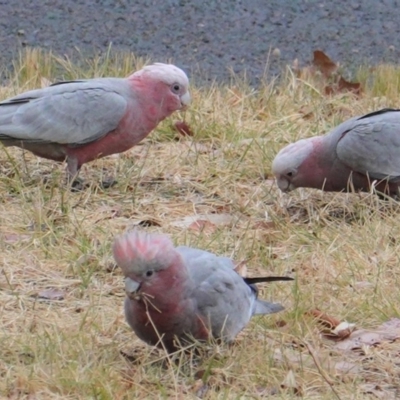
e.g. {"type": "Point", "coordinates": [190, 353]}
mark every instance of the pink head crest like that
{"type": "Point", "coordinates": [167, 73]}
{"type": "Point", "coordinates": [136, 252]}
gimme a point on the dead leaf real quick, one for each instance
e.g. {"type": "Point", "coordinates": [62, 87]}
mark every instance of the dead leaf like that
{"type": "Point", "coordinates": [202, 225]}
{"type": "Point", "coordinates": [324, 319]}
{"type": "Point", "coordinates": [109, 213]}
{"type": "Point", "coordinates": [362, 285]}
{"type": "Point", "coordinates": [111, 267]}
{"type": "Point", "coordinates": [148, 222]}
{"type": "Point", "coordinates": [44, 82]}
{"type": "Point", "coordinates": [199, 388]}
{"type": "Point", "coordinates": [237, 96]}
{"type": "Point", "coordinates": [183, 128]}
{"type": "Point", "coordinates": [306, 112]}
{"type": "Point", "coordinates": [346, 86]}
{"type": "Point", "coordinates": [322, 63]}
{"type": "Point", "coordinates": [215, 219]}
{"type": "Point", "coordinates": [387, 332]}
{"type": "Point", "coordinates": [377, 391]}
{"type": "Point", "coordinates": [332, 328]}
{"type": "Point", "coordinates": [11, 238]}
{"type": "Point", "coordinates": [293, 358]}
{"type": "Point", "coordinates": [265, 225]}
{"type": "Point", "coordinates": [241, 268]}
{"type": "Point", "coordinates": [51, 294]}
{"type": "Point", "coordinates": [86, 259]}
{"type": "Point", "coordinates": [345, 367]}
{"type": "Point", "coordinates": [342, 331]}
{"type": "Point", "coordinates": [343, 86]}
{"type": "Point", "coordinates": [290, 383]}
{"type": "Point", "coordinates": [330, 90]}
{"type": "Point", "coordinates": [248, 142]}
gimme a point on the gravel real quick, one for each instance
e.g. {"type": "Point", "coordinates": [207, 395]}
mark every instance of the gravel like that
{"type": "Point", "coordinates": [208, 38]}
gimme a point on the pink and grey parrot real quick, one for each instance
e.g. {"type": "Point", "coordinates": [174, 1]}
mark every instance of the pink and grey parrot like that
{"type": "Point", "coordinates": [174, 294]}
{"type": "Point", "coordinates": [356, 153]}
{"type": "Point", "coordinates": [80, 121]}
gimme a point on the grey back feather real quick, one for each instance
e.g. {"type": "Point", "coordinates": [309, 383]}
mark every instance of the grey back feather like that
{"type": "Point", "coordinates": [72, 113]}
{"type": "Point", "coordinates": [371, 144]}
{"type": "Point", "coordinates": [222, 294]}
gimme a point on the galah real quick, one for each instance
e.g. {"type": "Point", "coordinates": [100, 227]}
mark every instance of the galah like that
{"type": "Point", "coordinates": [175, 294]}
{"type": "Point", "coordinates": [360, 154]}
{"type": "Point", "coordinates": [80, 121]}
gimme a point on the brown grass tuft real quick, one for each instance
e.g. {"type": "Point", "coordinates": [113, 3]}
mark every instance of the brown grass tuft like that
{"type": "Point", "coordinates": [343, 248]}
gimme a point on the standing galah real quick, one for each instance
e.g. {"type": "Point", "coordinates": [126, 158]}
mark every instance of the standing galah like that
{"type": "Point", "coordinates": [182, 293]}
{"type": "Point", "coordinates": [356, 153]}
{"type": "Point", "coordinates": [80, 121]}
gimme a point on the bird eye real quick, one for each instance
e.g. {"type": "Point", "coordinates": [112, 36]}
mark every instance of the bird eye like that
{"type": "Point", "coordinates": [289, 174]}
{"type": "Point", "coordinates": [176, 88]}
{"type": "Point", "coordinates": [149, 273]}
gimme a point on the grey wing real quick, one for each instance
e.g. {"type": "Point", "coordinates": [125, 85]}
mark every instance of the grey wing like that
{"type": "Point", "coordinates": [222, 296]}
{"type": "Point", "coordinates": [73, 113]}
{"type": "Point", "coordinates": [371, 144]}
{"type": "Point", "coordinates": [227, 301]}
{"type": "Point", "coordinates": [193, 255]}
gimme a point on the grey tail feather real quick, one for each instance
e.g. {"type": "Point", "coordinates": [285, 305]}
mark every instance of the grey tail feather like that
{"type": "Point", "coordinates": [265, 307]}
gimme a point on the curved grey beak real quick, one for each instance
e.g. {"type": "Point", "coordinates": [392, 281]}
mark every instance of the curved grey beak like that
{"type": "Point", "coordinates": [131, 286]}
{"type": "Point", "coordinates": [284, 185]}
{"type": "Point", "coordinates": [185, 99]}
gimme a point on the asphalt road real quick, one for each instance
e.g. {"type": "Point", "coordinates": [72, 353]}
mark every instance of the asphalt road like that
{"type": "Point", "coordinates": [207, 37]}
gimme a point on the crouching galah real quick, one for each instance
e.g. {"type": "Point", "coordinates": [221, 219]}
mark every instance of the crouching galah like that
{"type": "Point", "coordinates": [80, 121]}
{"type": "Point", "coordinates": [356, 154]}
{"type": "Point", "coordinates": [175, 294]}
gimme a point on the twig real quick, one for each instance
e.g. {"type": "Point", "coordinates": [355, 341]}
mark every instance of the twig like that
{"type": "Point", "coordinates": [321, 371]}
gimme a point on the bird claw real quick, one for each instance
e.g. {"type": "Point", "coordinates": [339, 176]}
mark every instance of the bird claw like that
{"type": "Point", "coordinates": [77, 185]}
{"type": "Point", "coordinates": [108, 183]}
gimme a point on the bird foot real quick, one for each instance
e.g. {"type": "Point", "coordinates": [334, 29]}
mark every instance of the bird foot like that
{"type": "Point", "coordinates": [77, 185]}
{"type": "Point", "coordinates": [108, 183]}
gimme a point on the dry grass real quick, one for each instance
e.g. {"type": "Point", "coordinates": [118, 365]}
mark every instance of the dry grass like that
{"type": "Point", "coordinates": [334, 243]}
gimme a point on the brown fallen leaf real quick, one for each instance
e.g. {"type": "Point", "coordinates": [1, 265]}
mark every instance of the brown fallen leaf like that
{"type": "Point", "coordinates": [222, 219]}
{"type": "Point", "coordinates": [11, 238]}
{"type": "Point", "coordinates": [265, 225]}
{"type": "Point", "coordinates": [200, 389]}
{"type": "Point", "coordinates": [236, 98]}
{"type": "Point", "coordinates": [306, 112]}
{"type": "Point", "coordinates": [292, 358]}
{"type": "Point", "coordinates": [290, 383]}
{"type": "Point", "coordinates": [345, 367]}
{"type": "Point", "coordinates": [332, 328]}
{"type": "Point", "coordinates": [51, 294]}
{"type": "Point", "coordinates": [343, 86]}
{"type": "Point", "coordinates": [109, 213]}
{"type": "Point", "coordinates": [202, 225]}
{"type": "Point", "coordinates": [387, 332]}
{"type": "Point", "coordinates": [241, 268]}
{"type": "Point", "coordinates": [346, 86]}
{"type": "Point", "coordinates": [377, 391]}
{"type": "Point", "coordinates": [322, 63]}
{"type": "Point", "coordinates": [44, 82]}
{"type": "Point", "coordinates": [362, 285]}
{"type": "Point", "coordinates": [148, 222]}
{"type": "Point", "coordinates": [183, 128]}
{"type": "Point", "coordinates": [324, 319]}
